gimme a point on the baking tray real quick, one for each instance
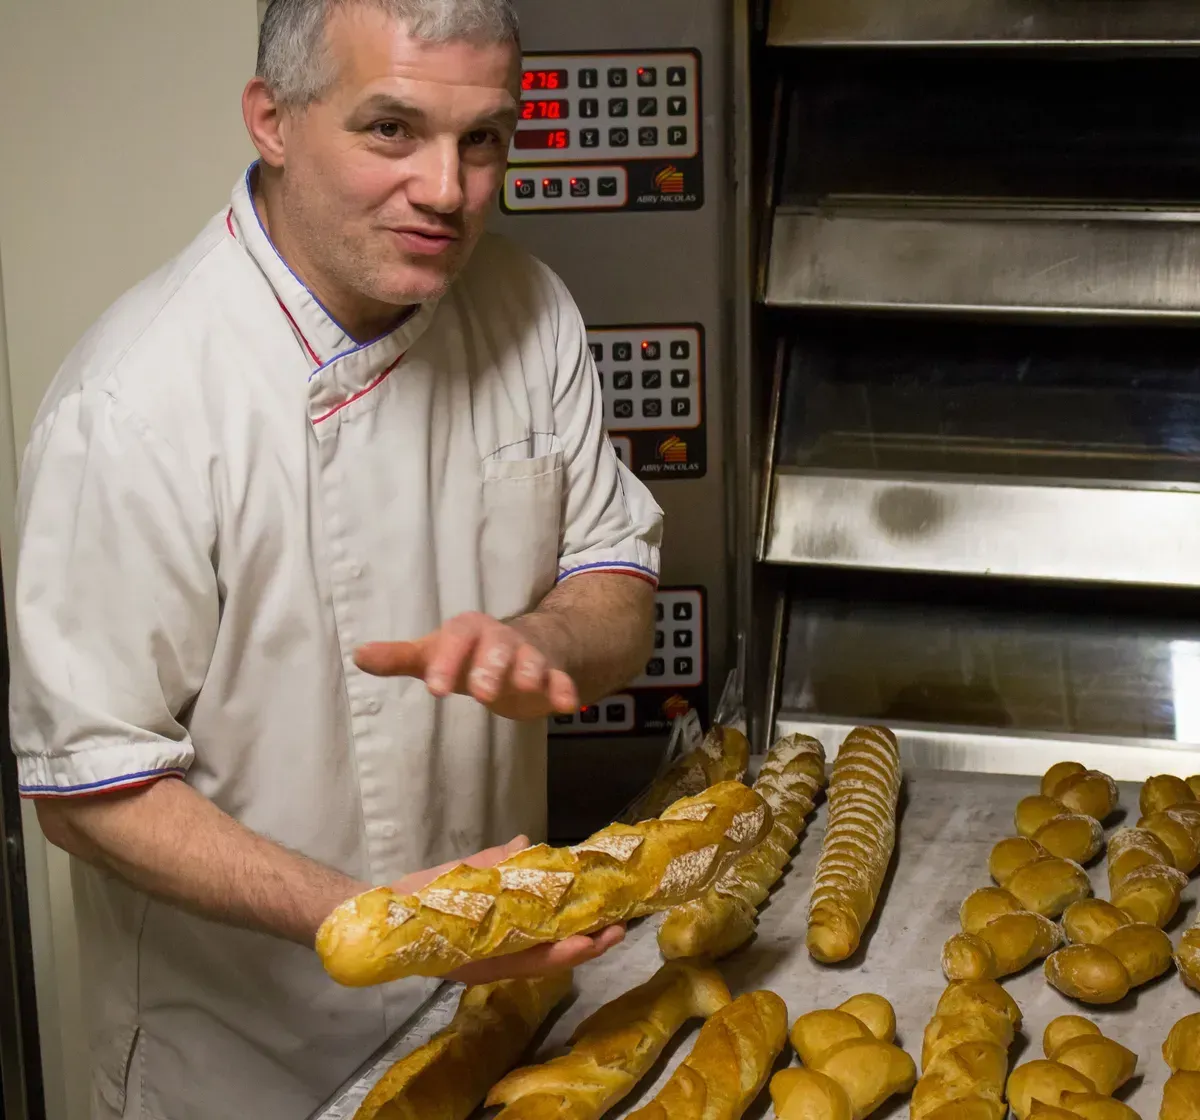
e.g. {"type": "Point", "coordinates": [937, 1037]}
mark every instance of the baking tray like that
{"type": "Point", "coordinates": [948, 824]}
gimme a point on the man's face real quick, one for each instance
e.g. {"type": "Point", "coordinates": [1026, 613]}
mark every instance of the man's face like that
{"type": "Point", "coordinates": [388, 179]}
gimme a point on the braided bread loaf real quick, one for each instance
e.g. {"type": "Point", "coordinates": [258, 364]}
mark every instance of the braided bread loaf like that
{"type": "Point", "coordinates": [613, 1049]}
{"type": "Point", "coordinates": [722, 756]}
{"type": "Point", "coordinates": [729, 1064]}
{"type": "Point", "coordinates": [1181, 1052]}
{"type": "Point", "coordinates": [851, 1064]}
{"type": "Point", "coordinates": [448, 1077]}
{"type": "Point", "coordinates": [859, 839]}
{"type": "Point", "coordinates": [964, 1057]}
{"type": "Point", "coordinates": [723, 918]}
{"type": "Point", "coordinates": [1079, 1075]}
{"type": "Point", "coordinates": [543, 894]}
{"type": "Point", "coordinates": [1065, 818]}
{"type": "Point", "coordinates": [1007, 928]}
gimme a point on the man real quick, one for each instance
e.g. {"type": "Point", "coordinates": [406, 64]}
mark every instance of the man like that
{"type": "Point", "coordinates": [341, 415]}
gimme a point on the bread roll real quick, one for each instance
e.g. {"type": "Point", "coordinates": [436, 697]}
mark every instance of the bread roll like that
{"type": "Point", "coordinates": [964, 1057]}
{"type": "Point", "coordinates": [1082, 1069]}
{"type": "Point", "coordinates": [1065, 818]}
{"type": "Point", "coordinates": [723, 918]}
{"type": "Point", "coordinates": [849, 1071]}
{"type": "Point", "coordinates": [729, 1064]}
{"type": "Point", "coordinates": [448, 1077]}
{"type": "Point", "coordinates": [543, 894]}
{"type": "Point", "coordinates": [722, 756]}
{"type": "Point", "coordinates": [613, 1049]}
{"type": "Point", "coordinates": [1181, 1052]}
{"type": "Point", "coordinates": [859, 839]}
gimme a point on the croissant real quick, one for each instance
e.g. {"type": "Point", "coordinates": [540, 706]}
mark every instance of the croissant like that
{"type": "Point", "coordinates": [851, 1064]}
{"type": "Point", "coordinates": [543, 894]}
{"type": "Point", "coordinates": [729, 1064]}
{"type": "Point", "coordinates": [964, 1057]}
{"type": "Point", "coordinates": [612, 1050]}
{"type": "Point", "coordinates": [448, 1077]}
{"type": "Point", "coordinates": [722, 756]}
{"type": "Point", "coordinates": [1079, 1075]}
{"type": "Point", "coordinates": [1181, 1052]}
{"type": "Point", "coordinates": [723, 918]}
{"type": "Point", "coordinates": [859, 840]}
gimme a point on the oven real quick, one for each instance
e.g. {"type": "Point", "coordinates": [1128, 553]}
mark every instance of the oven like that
{"type": "Point", "coordinates": [971, 378]}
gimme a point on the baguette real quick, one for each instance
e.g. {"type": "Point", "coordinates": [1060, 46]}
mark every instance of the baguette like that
{"type": "Point", "coordinates": [859, 839]}
{"type": "Point", "coordinates": [1008, 927]}
{"type": "Point", "coordinates": [851, 1063]}
{"type": "Point", "coordinates": [1181, 1052]}
{"type": "Point", "coordinates": [1081, 1071]}
{"type": "Point", "coordinates": [722, 756]}
{"type": "Point", "coordinates": [964, 1055]}
{"type": "Point", "coordinates": [449, 1077]}
{"type": "Point", "coordinates": [723, 918]}
{"type": "Point", "coordinates": [612, 1050]}
{"type": "Point", "coordinates": [543, 894]}
{"type": "Point", "coordinates": [729, 1064]}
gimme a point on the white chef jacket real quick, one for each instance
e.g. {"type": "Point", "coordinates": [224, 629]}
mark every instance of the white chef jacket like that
{"type": "Point", "coordinates": [222, 497]}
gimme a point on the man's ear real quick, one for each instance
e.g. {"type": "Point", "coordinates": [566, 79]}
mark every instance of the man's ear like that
{"type": "Point", "coordinates": [264, 122]}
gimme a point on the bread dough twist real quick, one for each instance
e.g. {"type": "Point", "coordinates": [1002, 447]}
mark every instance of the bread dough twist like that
{"type": "Point", "coordinates": [964, 1057]}
{"type": "Point", "coordinates": [1081, 1071]}
{"type": "Point", "coordinates": [613, 1049]}
{"type": "Point", "coordinates": [543, 894]}
{"type": "Point", "coordinates": [859, 840]}
{"type": "Point", "coordinates": [723, 918]}
{"type": "Point", "coordinates": [851, 1063]}
{"type": "Point", "coordinates": [729, 1064]}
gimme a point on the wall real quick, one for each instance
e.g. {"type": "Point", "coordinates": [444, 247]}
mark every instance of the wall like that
{"type": "Point", "coordinates": [120, 134]}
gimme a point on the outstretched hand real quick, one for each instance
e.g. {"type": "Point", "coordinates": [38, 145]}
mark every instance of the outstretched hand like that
{"type": "Point", "coordinates": [476, 655]}
{"type": "Point", "coordinates": [541, 960]}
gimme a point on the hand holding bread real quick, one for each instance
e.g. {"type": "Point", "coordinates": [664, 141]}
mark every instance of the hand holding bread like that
{"type": "Point", "coordinates": [543, 894]}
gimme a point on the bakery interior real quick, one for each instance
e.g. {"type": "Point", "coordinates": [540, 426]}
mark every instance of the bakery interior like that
{"type": "Point", "coordinates": [923, 278]}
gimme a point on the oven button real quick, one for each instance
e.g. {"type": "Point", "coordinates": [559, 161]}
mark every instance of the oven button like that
{"type": "Point", "coordinates": [589, 79]}
{"type": "Point", "coordinates": [622, 352]}
{"type": "Point", "coordinates": [677, 75]}
{"type": "Point", "coordinates": [647, 76]}
{"type": "Point", "coordinates": [618, 106]}
{"type": "Point", "coordinates": [589, 107]}
{"type": "Point", "coordinates": [681, 378]}
{"type": "Point", "coordinates": [648, 137]}
{"type": "Point", "coordinates": [589, 138]}
{"type": "Point", "coordinates": [623, 378]}
{"type": "Point", "coordinates": [677, 136]}
{"type": "Point", "coordinates": [681, 350]}
{"type": "Point", "coordinates": [618, 138]}
{"type": "Point", "coordinates": [524, 188]}
{"type": "Point", "coordinates": [581, 188]}
{"type": "Point", "coordinates": [677, 107]}
{"type": "Point", "coordinates": [617, 78]}
{"type": "Point", "coordinates": [552, 188]}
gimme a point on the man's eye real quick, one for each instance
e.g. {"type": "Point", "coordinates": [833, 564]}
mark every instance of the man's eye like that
{"type": "Point", "coordinates": [389, 130]}
{"type": "Point", "coordinates": [481, 137]}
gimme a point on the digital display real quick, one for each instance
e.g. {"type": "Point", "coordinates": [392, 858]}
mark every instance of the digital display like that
{"type": "Point", "coordinates": [544, 79]}
{"type": "Point", "coordinates": [542, 138]}
{"type": "Point", "coordinates": [543, 109]}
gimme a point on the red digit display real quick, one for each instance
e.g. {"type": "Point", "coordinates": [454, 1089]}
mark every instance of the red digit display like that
{"type": "Point", "coordinates": [542, 109]}
{"type": "Point", "coordinates": [544, 79]}
{"type": "Point", "coordinates": [542, 138]}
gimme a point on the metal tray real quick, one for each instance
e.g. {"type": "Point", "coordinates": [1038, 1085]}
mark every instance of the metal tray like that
{"type": "Point", "coordinates": [948, 824]}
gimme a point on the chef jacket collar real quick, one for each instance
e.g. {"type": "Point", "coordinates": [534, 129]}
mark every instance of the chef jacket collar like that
{"type": "Point", "coordinates": [341, 367]}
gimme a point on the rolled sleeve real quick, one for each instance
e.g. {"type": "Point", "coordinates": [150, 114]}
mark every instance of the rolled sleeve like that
{"type": "Point", "coordinates": [116, 603]}
{"type": "Point", "coordinates": [610, 522]}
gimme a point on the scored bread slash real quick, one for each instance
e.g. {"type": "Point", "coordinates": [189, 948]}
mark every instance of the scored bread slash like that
{"type": "Point", "coordinates": [544, 894]}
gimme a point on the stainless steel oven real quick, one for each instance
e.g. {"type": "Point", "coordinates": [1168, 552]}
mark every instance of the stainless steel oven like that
{"type": "Point", "coordinates": [973, 377]}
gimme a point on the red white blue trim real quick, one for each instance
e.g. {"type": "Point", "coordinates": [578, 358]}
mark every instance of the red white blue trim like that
{"type": "Point", "coordinates": [105, 785]}
{"type": "Point", "coordinates": [615, 567]}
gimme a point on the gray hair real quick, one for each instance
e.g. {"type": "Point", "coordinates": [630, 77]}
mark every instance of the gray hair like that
{"type": "Point", "coordinates": [293, 58]}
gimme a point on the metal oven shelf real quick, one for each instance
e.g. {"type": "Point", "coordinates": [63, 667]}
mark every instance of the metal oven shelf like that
{"type": "Point", "coordinates": [1040, 262]}
{"type": "Point", "coordinates": [1095, 24]}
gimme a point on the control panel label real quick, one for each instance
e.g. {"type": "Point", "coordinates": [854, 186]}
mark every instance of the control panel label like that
{"type": "Point", "coordinates": [652, 380]}
{"type": "Point", "coordinates": [672, 684]}
{"type": "Point", "coordinates": [637, 112]}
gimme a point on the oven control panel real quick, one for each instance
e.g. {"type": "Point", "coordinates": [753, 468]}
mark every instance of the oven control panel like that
{"type": "Point", "coordinates": [652, 378]}
{"type": "Point", "coordinates": [638, 114]}
{"type": "Point", "coordinates": [671, 684]}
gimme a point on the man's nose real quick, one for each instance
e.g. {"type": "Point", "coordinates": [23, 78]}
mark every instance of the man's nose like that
{"type": "Point", "coordinates": [437, 182]}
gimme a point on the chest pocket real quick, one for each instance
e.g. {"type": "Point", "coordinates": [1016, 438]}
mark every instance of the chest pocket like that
{"type": "Point", "coordinates": [522, 525]}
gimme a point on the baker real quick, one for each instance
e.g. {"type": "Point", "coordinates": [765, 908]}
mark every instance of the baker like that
{"type": "Point", "coordinates": [318, 524]}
